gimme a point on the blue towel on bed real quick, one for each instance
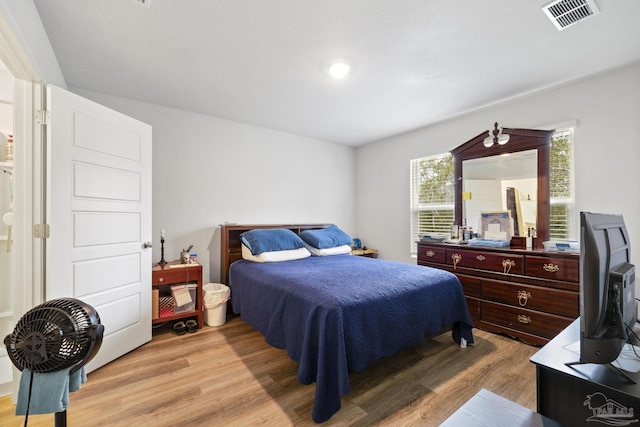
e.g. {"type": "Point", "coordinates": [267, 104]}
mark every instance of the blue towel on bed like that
{"type": "Point", "coordinates": [50, 391]}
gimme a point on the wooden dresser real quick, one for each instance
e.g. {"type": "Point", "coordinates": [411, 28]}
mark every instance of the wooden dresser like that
{"type": "Point", "coordinates": [527, 294]}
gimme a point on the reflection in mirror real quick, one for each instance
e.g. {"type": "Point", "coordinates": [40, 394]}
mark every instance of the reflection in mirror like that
{"type": "Point", "coordinates": [502, 183]}
{"type": "Point", "coordinates": [520, 140]}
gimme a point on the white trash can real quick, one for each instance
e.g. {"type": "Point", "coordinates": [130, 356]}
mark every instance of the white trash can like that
{"type": "Point", "coordinates": [216, 296]}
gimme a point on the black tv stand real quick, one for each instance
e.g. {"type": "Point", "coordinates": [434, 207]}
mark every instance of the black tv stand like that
{"type": "Point", "coordinates": [609, 365]}
{"type": "Point", "coordinates": [571, 395]}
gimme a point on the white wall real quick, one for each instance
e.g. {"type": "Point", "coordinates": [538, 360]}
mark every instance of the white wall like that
{"type": "Point", "coordinates": [204, 152]}
{"type": "Point", "coordinates": [26, 49]}
{"type": "Point", "coordinates": [607, 155]}
{"type": "Point", "coordinates": [207, 171]}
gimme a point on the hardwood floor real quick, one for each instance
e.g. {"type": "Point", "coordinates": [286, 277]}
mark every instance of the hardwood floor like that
{"type": "Point", "coordinates": [228, 376]}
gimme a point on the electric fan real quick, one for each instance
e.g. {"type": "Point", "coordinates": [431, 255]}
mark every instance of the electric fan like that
{"type": "Point", "coordinates": [59, 334]}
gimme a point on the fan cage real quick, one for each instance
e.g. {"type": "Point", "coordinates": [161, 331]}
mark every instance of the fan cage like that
{"type": "Point", "coordinates": [54, 335]}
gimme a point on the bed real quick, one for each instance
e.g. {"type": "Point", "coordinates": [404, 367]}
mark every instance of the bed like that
{"type": "Point", "coordinates": [339, 313]}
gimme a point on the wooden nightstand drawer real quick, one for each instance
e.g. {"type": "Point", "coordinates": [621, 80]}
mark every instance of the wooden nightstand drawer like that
{"type": "Point", "coordinates": [431, 254]}
{"type": "Point", "coordinates": [565, 269]}
{"type": "Point", "coordinates": [493, 261]}
{"type": "Point", "coordinates": [173, 275]}
{"type": "Point", "coordinates": [556, 301]}
{"type": "Point", "coordinates": [529, 321]}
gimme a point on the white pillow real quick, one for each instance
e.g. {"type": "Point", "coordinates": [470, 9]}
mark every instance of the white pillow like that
{"type": "Point", "coordinates": [336, 250]}
{"type": "Point", "coordinates": [275, 256]}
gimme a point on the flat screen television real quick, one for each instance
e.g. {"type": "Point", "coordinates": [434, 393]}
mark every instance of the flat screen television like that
{"type": "Point", "coordinates": [608, 309]}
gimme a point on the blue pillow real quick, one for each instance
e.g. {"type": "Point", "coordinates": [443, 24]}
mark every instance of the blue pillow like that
{"type": "Point", "coordinates": [270, 239]}
{"type": "Point", "coordinates": [325, 238]}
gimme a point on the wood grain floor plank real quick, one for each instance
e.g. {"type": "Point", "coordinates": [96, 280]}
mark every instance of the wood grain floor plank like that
{"type": "Point", "coordinates": [229, 376]}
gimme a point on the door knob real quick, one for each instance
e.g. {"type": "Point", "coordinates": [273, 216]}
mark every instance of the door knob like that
{"type": "Point", "coordinates": [146, 245]}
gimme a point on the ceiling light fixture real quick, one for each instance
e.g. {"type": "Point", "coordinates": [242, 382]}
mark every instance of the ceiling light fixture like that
{"type": "Point", "coordinates": [498, 137]}
{"type": "Point", "coordinates": [339, 70]}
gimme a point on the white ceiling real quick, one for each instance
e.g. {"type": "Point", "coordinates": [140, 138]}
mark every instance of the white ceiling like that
{"type": "Point", "coordinates": [263, 62]}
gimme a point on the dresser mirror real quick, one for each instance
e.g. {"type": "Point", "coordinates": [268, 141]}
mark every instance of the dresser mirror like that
{"type": "Point", "coordinates": [507, 182]}
{"type": "Point", "coordinates": [510, 176]}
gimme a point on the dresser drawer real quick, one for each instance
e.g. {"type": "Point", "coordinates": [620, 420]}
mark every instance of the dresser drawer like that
{"type": "Point", "coordinates": [474, 308]}
{"type": "Point", "coordinates": [564, 269]}
{"type": "Point", "coordinates": [492, 261]}
{"type": "Point", "coordinates": [431, 254]}
{"type": "Point", "coordinates": [532, 322]}
{"type": "Point", "coordinates": [556, 301]}
{"type": "Point", "coordinates": [470, 285]}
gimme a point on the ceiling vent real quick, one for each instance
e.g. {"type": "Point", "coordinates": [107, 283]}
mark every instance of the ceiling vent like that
{"type": "Point", "coordinates": [565, 13]}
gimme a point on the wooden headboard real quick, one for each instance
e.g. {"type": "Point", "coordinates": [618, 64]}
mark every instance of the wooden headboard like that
{"type": "Point", "coordinates": [230, 245]}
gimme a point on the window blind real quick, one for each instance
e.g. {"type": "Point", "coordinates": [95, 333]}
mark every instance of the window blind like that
{"type": "Point", "coordinates": [562, 220]}
{"type": "Point", "coordinates": [432, 193]}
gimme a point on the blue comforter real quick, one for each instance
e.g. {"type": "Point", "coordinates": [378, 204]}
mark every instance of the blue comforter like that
{"type": "Point", "coordinates": [336, 314]}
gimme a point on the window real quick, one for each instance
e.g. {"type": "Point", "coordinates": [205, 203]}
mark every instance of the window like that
{"type": "Point", "coordinates": [562, 220]}
{"type": "Point", "coordinates": [432, 192]}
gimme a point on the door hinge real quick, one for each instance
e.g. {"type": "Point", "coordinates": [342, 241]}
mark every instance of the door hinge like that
{"type": "Point", "coordinates": [43, 117]}
{"type": "Point", "coordinates": [41, 231]}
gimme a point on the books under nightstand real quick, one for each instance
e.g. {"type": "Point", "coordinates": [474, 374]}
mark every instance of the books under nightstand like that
{"type": "Point", "coordinates": [176, 292]}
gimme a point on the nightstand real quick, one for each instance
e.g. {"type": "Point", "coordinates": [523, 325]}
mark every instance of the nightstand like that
{"type": "Point", "coordinates": [369, 253]}
{"type": "Point", "coordinates": [175, 273]}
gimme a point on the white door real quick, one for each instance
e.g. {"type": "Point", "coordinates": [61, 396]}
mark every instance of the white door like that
{"type": "Point", "coordinates": [99, 213]}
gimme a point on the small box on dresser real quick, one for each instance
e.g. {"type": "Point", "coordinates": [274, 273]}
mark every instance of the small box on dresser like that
{"type": "Point", "coordinates": [527, 294]}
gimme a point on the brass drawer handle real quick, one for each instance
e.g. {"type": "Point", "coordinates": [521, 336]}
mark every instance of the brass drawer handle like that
{"type": "Point", "coordinates": [551, 268]}
{"type": "Point", "coordinates": [480, 258]}
{"type": "Point", "coordinates": [431, 254]}
{"type": "Point", "coordinates": [456, 259]}
{"type": "Point", "coordinates": [523, 298]}
{"type": "Point", "coordinates": [506, 265]}
{"type": "Point", "coordinates": [524, 319]}
{"type": "Point", "coordinates": [161, 279]}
